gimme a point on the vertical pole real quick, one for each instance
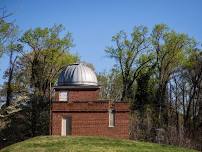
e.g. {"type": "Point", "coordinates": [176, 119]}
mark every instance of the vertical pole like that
{"type": "Point", "coordinates": [50, 109]}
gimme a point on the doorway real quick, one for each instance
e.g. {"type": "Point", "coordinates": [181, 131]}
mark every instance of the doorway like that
{"type": "Point", "coordinates": [66, 128]}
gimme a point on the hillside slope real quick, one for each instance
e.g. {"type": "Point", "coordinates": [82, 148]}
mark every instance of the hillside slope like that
{"type": "Point", "coordinates": [87, 144]}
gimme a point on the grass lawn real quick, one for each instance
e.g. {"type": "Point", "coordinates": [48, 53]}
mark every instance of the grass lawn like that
{"type": "Point", "coordinates": [87, 144]}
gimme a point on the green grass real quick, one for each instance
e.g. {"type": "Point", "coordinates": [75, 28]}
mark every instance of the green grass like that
{"type": "Point", "coordinates": [87, 144]}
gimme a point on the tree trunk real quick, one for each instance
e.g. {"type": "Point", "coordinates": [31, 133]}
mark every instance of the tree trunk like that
{"type": "Point", "coordinates": [161, 107]}
{"type": "Point", "coordinates": [8, 93]}
{"type": "Point", "coordinates": [10, 77]}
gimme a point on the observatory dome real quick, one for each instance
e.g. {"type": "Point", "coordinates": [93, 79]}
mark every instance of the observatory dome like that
{"type": "Point", "coordinates": [77, 74]}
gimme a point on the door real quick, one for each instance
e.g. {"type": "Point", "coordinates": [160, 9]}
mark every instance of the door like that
{"type": "Point", "coordinates": [66, 126]}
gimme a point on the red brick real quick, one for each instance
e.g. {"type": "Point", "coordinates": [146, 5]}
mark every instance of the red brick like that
{"type": "Point", "coordinates": [90, 116]}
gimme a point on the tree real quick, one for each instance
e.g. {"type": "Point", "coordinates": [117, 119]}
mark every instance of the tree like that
{"type": "Point", "coordinates": [127, 52]}
{"type": "Point", "coordinates": [5, 29]}
{"type": "Point", "coordinates": [48, 54]}
{"type": "Point", "coordinates": [193, 76]}
{"type": "Point", "coordinates": [185, 99]}
{"type": "Point", "coordinates": [170, 48]}
{"type": "Point", "coordinates": [144, 90]}
{"type": "Point", "coordinates": [111, 84]}
{"type": "Point", "coordinates": [12, 48]}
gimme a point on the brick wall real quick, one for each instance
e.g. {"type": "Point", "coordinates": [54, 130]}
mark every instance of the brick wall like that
{"type": "Point", "coordinates": [83, 95]}
{"type": "Point", "coordinates": [97, 105]}
{"type": "Point", "coordinates": [80, 95]}
{"type": "Point", "coordinates": [91, 119]}
{"type": "Point", "coordinates": [89, 115]}
{"type": "Point", "coordinates": [93, 124]}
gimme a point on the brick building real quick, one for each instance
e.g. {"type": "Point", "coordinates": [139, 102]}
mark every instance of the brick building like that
{"type": "Point", "coordinates": [77, 109]}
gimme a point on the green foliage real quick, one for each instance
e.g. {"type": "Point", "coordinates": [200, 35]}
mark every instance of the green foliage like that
{"type": "Point", "coordinates": [144, 93]}
{"type": "Point", "coordinates": [49, 53]}
{"type": "Point", "coordinates": [127, 52]}
{"type": "Point", "coordinates": [47, 38]}
{"type": "Point", "coordinates": [38, 68]}
{"type": "Point", "coordinates": [171, 51]}
{"type": "Point", "coordinates": [5, 29]}
{"type": "Point", "coordinates": [147, 63]}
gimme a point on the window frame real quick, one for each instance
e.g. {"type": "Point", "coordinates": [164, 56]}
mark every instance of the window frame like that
{"type": "Point", "coordinates": [63, 99]}
{"type": "Point", "coordinates": [111, 118]}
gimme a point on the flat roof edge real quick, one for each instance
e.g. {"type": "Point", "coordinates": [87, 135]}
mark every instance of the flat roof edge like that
{"type": "Point", "coordinates": [77, 87]}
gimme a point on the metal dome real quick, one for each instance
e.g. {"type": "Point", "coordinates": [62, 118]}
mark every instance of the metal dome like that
{"type": "Point", "coordinates": [77, 75]}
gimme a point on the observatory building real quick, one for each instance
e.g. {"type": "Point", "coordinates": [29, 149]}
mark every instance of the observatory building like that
{"type": "Point", "coordinates": [77, 109]}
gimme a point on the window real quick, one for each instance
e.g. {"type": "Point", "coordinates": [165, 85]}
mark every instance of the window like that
{"type": "Point", "coordinates": [63, 96]}
{"type": "Point", "coordinates": [111, 117]}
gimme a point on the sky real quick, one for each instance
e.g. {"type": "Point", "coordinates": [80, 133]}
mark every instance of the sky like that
{"type": "Point", "coordinates": [93, 23]}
